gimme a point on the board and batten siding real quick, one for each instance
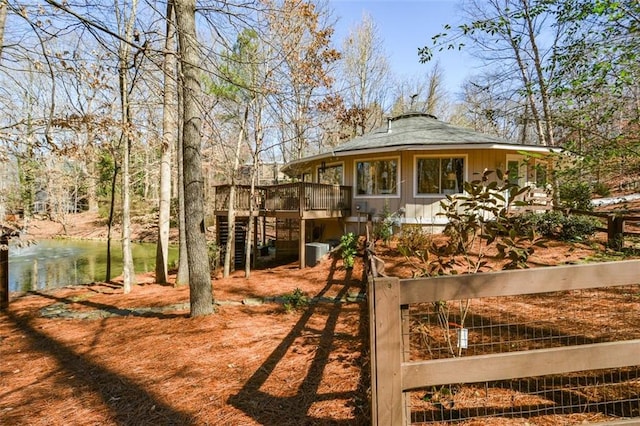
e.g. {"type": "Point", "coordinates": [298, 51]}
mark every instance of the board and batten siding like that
{"type": "Point", "coordinates": [417, 209]}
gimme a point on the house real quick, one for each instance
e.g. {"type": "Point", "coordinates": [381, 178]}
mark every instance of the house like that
{"type": "Point", "coordinates": [405, 167]}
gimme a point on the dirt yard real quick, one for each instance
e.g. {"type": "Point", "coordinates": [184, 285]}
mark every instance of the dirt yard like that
{"type": "Point", "coordinates": [92, 355]}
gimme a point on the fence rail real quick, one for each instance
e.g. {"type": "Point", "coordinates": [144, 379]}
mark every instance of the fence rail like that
{"type": "Point", "coordinates": [395, 372]}
{"type": "Point", "coordinates": [615, 225]}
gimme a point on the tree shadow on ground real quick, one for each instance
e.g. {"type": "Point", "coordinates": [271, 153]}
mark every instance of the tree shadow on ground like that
{"type": "Point", "coordinates": [293, 410]}
{"type": "Point", "coordinates": [104, 310]}
{"type": "Point", "coordinates": [127, 402]}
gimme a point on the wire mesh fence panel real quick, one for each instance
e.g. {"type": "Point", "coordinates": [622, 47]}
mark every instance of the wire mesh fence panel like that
{"type": "Point", "coordinates": [576, 398]}
{"type": "Point", "coordinates": [495, 325]}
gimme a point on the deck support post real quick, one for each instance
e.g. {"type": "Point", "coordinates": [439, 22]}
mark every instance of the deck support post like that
{"type": "Point", "coordinates": [303, 246]}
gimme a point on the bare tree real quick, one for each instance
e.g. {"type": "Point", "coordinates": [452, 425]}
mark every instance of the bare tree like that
{"type": "Point", "coordinates": [125, 24]}
{"type": "Point", "coordinates": [516, 38]}
{"type": "Point", "coordinates": [3, 20]}
{"type": "Point", "coordinates": [201, 293]}
{"type": "Point", "coordinates": [182, 277]}
{"type": "Point", "coordinates": [365, 74]}
{"type": "Point", "coordinates": [169, 140]}
{"type": "Point", "coordinates": [299, 31]}
{"type": "Point", "coordinates": [422, 94]}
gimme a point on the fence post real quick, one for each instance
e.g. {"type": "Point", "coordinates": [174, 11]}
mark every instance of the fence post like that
{"type": "Point", "coordinates": [387, 398]}
{"type": "Point", "coordinates": [4, 272]}
{"type": "Point", "coordinates": [405, 319]}
{"type": "Point", "coordinates": [615, 236]}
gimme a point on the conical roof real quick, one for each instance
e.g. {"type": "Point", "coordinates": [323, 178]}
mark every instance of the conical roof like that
{"type": "Point", "coordinates": [417, 130]}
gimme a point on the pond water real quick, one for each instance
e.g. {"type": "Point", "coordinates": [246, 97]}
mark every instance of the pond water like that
{"type": "Point", "coordinates": [57, 263]}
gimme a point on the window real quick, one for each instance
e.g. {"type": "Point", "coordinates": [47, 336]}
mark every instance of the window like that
{"type": "Point", "coordinates": [523, 171]}
{"type": "Point", "coordinates": [377, 177]}
{"type": "Point", "coordinates": [331, 175]}
{"type": "Point", "coordinates": [514, 174]}
{"type": "Point", "coordinates": [541, 174]}
{"type": "Point", "coordinates": [439, 175]}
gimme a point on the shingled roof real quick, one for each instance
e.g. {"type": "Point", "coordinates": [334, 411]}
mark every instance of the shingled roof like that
{"type": "Point", "coordinates": [414, 131]}
{"type": "Point", "coordinates": [417, 130]}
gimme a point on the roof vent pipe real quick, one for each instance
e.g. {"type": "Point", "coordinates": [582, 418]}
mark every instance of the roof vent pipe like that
{"type": "Point", "coordinates": [388, 124]}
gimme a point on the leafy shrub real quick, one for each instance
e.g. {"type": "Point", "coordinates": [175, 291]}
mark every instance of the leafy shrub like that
{"type": "Point", "coordinates": [295, 300]}
{"type": "Point", "coordinates": [383, 228]}
{"type": "Point", "coordinates": [601, 189]}
{"type": "Point", "coordinates": [547, 224]}
{"type": "Point", "coordinates": [349, 249]}
{"type": "Point", "coordinates": [576, 195]}
{"type": "Point", "coordinates": [576, 227]}
{"type": "Point", "coordinates": [414, 238]}
{"type": "Point", "coordinates": [554, 224]}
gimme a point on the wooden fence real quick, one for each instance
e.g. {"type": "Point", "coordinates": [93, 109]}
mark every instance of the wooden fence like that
{"type": "Point", "coordinates": [393, 375]}
{"type": "Point", "coordinates": [615, 225]}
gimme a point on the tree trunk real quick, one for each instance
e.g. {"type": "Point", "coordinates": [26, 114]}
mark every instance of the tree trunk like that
{"type": "Point", "coordinates": [92, 179]}
{"type": "Point", "coordinates": [128, 273]}
{"type": "Point", "coordinates": [169, 132]}
{"type": "Point", "coordinates": [542, 80]}
{"type": "Point", "coordinates": [3, 20]}
{"type": "Point", "coordinates": [110, 222]}
{"type": "Point", "coordinates": [182, 278]}
{"type": "Point", "coordinates": [229, 250]}
{"type": "Point", "coordinates": [201, 293]}
{"type": "Point", "coordinates": [231, 211]}
{"type": "Point", "coordinates": [254, 178]}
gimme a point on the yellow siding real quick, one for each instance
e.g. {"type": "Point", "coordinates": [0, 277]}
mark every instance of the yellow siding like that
{"type": "Point", "coordinates": [422, 209]}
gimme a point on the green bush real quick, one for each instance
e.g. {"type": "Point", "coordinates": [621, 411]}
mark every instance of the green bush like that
{"type": "Point", "coordinates": [556, 225]}
{"type": "Point", "coordinates": [213, 251]}
{"type": "Point", "coordinates": [295, 300]}
{"type": "Point", "coordinates": [601, 189]}
{"type": "Point", "coordinates": [576, 195]}
{"type": "Point", "coordinates": [349, 249]}
{"type": "Point", "coordinates": [414, 238]}
{"type": "Point", "coordinates": [383, 228]}
{"type": "Point", "coordinates": [576, 228]}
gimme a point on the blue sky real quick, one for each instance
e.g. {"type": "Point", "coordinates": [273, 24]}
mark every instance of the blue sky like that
{"type": "Point", "coordinates": [405, 26]}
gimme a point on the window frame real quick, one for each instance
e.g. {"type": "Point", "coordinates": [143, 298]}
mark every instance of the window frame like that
{"type": "Point", "coordinates": [395, 194]}
{"type": "Point", "coordinates": [446, 155]}
{"type": "Point", "coordinates": [523, 169]}
{"type": "Point", "coordinates": [331, 165]}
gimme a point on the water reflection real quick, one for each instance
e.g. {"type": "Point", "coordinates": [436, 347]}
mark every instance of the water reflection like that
{"type": "Point", "coordinates": [57, 263]}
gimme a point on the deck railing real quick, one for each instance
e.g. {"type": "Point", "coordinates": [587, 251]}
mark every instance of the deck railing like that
{"type": "Point", "coordinates": [298, 196]}
{"type": "Point", "coordinates": [243, 197]}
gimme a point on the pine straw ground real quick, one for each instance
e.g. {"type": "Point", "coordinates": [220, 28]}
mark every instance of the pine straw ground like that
{"type": "Point", "coordinates": [92, 355]}
{"type": "Point", "coordinates": [115, 361]}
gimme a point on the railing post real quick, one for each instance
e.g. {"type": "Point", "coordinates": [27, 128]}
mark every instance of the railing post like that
{"type": "Point", "coordinates": [387, 398]}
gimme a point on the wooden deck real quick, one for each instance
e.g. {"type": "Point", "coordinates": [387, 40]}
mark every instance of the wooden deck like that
{"type": "Point", "coordinates": [299, 200]}
{"type": "Point", "coordinates": [292, 203]}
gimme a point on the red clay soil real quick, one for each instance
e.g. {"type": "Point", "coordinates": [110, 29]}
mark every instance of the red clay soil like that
{"type": "Point", "coordinates": [93, 355]}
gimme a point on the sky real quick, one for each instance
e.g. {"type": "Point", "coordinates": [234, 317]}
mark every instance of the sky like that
{"type": "Point", "coordinates": [404, 26]}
